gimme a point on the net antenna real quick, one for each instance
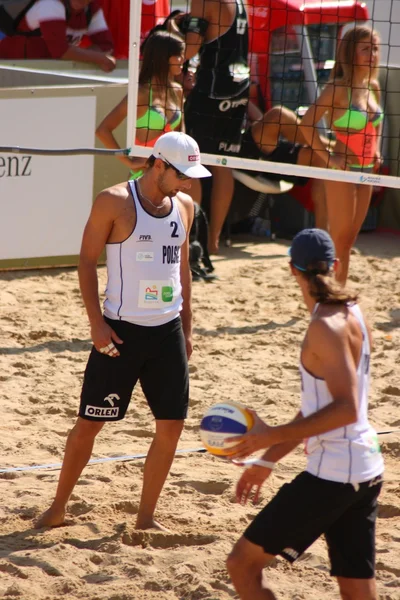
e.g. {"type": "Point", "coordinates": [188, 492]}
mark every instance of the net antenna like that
{"type": "Point", "coordinates": [233, 162]}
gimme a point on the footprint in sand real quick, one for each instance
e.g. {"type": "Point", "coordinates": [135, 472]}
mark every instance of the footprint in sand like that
{"type": "Point", "coordinates": [80, 508]}
{"type": "Point", "coordinates": [127, 507]}
{"type": "Point", "coordinates": [388, 511]}
{"type": "Point", "coordinates": [381, 566]}
{"type": "Point", "coordinates": [139, 433]}
{"type": "Point", "coordinates": [215, 488]}
{"type": "Point", "coordinates": [12, 570]}
{"type": "Point", "coordinates": [392, 390]}
{"type": "Point", "coordinates": [162, 539]}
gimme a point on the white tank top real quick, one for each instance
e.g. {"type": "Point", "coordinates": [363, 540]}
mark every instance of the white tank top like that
{"type": "Point", "coordinates": [349, 454]}
{"type": "Point", "coordinates": [143, 271]}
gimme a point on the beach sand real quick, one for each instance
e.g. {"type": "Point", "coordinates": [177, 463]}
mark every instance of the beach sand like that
{"type": "Point", "coordinates": [248, 327]}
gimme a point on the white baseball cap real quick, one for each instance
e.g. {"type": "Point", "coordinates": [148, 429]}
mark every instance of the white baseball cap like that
{"type": "Point", "coordinates": [182, 152]}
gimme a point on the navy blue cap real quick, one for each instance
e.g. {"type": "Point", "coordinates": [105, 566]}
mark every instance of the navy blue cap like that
{"type": "Point", "coordinates": [311, 246]}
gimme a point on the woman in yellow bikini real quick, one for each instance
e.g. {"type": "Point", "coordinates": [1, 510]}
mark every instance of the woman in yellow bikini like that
{"type": "Point", "coordinates": [160, 97]}
{"type": "Point", "coordinates": [350, 104]}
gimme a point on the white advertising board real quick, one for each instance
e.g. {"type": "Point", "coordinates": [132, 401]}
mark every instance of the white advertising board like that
{"type": "Point", "coordinates": [45, 200]}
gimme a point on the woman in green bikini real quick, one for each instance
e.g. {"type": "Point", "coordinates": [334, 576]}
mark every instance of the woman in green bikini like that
{"type": "Point", "coordinates": [351, 105]}
{"type": "Point", "coordinates": [160, 97]}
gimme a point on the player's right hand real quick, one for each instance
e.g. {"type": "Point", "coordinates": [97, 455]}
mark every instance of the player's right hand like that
{"type": "Point", "coordinates": [103, 337]}
{"type": "Point", "coordinates": [250, 483]}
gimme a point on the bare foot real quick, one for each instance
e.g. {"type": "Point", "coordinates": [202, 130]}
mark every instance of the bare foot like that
{"type": "Point", "coordinates": [50, 518]}
{"type": "Point", "coordinates": [151, 524]}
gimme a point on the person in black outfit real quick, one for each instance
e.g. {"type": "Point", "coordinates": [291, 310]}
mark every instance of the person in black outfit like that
{"type": "Point", "coordinates": [216, 107]}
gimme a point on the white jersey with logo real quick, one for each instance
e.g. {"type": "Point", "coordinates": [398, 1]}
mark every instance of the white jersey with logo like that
{"type": "Point", "coordinates": [349, 454]}
{"type": "Point", "coordinates": [144, 285]}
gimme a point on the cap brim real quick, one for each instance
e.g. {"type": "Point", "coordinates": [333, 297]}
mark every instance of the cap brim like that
{"type": "Point", "coordinates": [195, 172]}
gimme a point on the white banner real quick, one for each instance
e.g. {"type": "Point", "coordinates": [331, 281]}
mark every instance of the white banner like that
{"type": "Point", "coordinates": [45, 200]}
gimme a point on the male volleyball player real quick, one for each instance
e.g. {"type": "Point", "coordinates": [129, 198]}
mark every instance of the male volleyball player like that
{"type": "Point", "coordinates": [217, 104]}
{"type": "Point", "coordinates": [145, 331]}
{"type": "Point", "coordinates": [337, 493]}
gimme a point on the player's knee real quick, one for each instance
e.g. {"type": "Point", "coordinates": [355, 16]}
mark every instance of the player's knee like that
{"type": "Point", "coordinates": [85, 429]}
{"type": "Point", "coordinates": [240, 564]}
{"type": "Point", "coordinates": [168, 432]}
{"type": "Point", "coordinates": [273, 115]}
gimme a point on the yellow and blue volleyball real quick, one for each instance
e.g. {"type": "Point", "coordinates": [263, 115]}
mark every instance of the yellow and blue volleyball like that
{"type": "Point", "coordinates": [223, 420]}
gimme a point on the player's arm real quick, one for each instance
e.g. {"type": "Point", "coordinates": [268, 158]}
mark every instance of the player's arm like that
{"type": "Point", "coordinates": [252, 478]}
{"type": "Point", "coordinates": [95, 235]}
{"type": "Point", "coordinates": [185, 273]}
{"type": "Point", "coordinates": [193, 27]}
{"type": "Point", "coordinates": [339, 371]}
{"type": "Point", "coordinates": [98, 228]}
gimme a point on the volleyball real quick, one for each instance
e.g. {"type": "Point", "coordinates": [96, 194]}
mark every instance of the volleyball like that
{"type": "Point", "coordinates": [223, 420]}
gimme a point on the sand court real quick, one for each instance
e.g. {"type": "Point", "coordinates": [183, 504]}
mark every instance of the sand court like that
{"type": "Point", "coordinates": [247, 329]}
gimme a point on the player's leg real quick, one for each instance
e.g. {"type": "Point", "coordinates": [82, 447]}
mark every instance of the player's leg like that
{"type": "Point", "coordinates": [245, 564]}
{"type": "Point", "coordinates": [78, 450]}
{"type": "Point", "coordinates": [277, 122]}
{"type": "Point", "coordinates": [357, 589]}
{"type": "Point", "coordinates": [106, 392]}
{"type": "Point", "coordinates": [341, 202]}
{"type": "Point", "coordinates": [165, 383]}
{"type": "Point", "coordinates": [363, 195]}
{"type": "Point", "coordinates": [351, 544]}
{"type": "Point", "coordinates": [307, 157]}
{"type": "Point", "coordinates": [298, 514]}
{"type": "Point", "coordinates": [157, 466]}
{"type": "Point", "coordinates": [222, 190]}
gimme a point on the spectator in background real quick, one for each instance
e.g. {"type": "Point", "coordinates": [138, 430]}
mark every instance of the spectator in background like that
{"type": "Point", "coordinates": [351, 104]}
{"type": "Point", "coordinates": [160, 100]}
{"type": "Point", "coordinates": [214, 111]}
{"type": "Point", "coordinates": [54, 29]}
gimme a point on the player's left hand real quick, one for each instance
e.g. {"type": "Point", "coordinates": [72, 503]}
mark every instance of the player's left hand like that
{"type": "Point", "coordinates": [250, 483]}
{"type": "Point", "coordinates": [259, 437]}
{"type": "Point", "coordinates": [189, 346]}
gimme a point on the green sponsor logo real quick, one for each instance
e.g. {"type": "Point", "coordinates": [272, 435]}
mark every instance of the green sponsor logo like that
{"type": "Point", "coordinates": [167, 293]}
{"type": "Point", "coordinates": [224, 161]}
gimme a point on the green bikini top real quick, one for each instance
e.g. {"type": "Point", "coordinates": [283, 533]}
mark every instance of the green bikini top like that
{"type": "Point", "coordinates": [154, 119]}
{"type": "Point", "coordinates": [355, 118]}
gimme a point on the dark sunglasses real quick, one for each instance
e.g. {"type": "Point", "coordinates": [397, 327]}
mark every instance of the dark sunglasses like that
{"type": "Point", "coordinates": [179, 174]}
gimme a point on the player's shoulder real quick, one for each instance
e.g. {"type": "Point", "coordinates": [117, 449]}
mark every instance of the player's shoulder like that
{"type": "Point", "coordinates": [329, 322]}
{"type": "Point", "coordinates": [185, 200]}
{"type": "Point", "coordinates": [114, 195]}
{"type": "Point", "coordinates": [186, 207]}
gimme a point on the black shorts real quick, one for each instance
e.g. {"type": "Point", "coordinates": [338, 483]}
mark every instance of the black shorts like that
{"type": "Point", "coordinates": [215, 124]}
{"type": "Point", "coordinates": [308, 507]}
{"type": "Point", "coordinates": [285, 152]}
{"type": "Point", "coordinates": [156, 356]}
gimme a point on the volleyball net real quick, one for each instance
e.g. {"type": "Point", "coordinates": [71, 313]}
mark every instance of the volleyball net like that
{"type": "Point", "coordinates": [291, 59]}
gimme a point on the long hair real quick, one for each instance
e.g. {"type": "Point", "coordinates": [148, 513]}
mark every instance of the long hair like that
{"type": "Point", "coordinates": [323, 287]}
{"type": "Point", "coordinates": [159, 48]}
{"type": "Point", "coordinates": [346, 54]}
